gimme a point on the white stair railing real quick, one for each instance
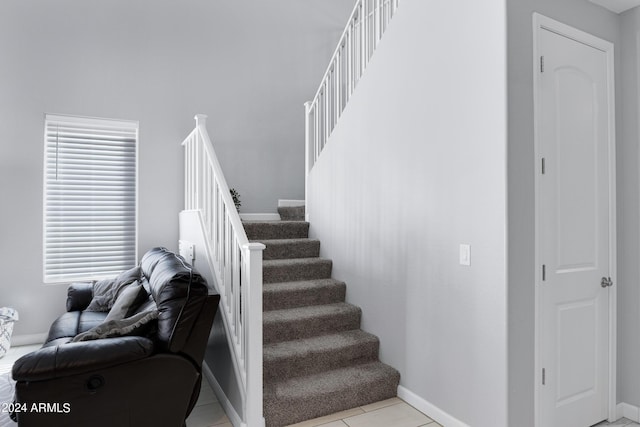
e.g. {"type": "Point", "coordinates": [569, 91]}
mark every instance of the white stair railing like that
{"type": "Point", "coordinates": [367, 23]}
{"type": "Point", "coordinates": [236, 264]}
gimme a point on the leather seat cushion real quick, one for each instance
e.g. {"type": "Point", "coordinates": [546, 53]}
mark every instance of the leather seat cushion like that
{"type": "Point", "coordinates": [57, 342]}
{"type": "Point", "coordinates": [89, 319]}
{"type": "Point", "coordinates": [71, 323]}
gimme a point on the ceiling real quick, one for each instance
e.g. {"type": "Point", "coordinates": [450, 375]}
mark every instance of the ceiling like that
{"type": "Point", "coordinates": [617, 6]}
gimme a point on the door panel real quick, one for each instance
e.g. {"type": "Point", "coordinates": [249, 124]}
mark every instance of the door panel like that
{"type": "Point", "coordinates": [577, 197]}
{"type": "Point", "coordinates": [576, 379]}
{"type": "Point", "coordinates": [573, 220]}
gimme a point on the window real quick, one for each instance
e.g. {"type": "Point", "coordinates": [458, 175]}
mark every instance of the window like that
{"type": "Point", "coordinates": [90, 197]}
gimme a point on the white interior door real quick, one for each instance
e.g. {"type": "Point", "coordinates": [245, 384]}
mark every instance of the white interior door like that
{"type": "Point", "coordinates": [574, 231]}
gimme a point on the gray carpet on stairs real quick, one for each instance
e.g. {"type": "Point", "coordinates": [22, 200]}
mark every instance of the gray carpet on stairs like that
{"type": "Point", "coordinates": [294, 213]}
{"type": "Point", "coordinates": [284, 270]}
{"type": "Point", "coordinates": [274, 230]}
{"type": "Point", "coordinates": [291, 248]}
{"type": "Point", "coordinates": [317, 360]}
{"type": "Point", "coordinates": [300, 398]}
{"type": "Point", "coordinates": [277, 296]}
{"type": "Point", "coordinates": [304, 322]}
{"type": "Point", "coordinates": [319, 353]}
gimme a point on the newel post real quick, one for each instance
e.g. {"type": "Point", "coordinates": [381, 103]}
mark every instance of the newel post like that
{"type": "Point", "coordinates": [307, 153]}
{"type": "Point", "coordinates": [199, 149]}
{"type": "Point", "coordinates": [201, 119]}
{"type": "Point", "coordinates": [254, 402]}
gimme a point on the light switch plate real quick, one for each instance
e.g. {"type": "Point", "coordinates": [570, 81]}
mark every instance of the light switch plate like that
{"type": "Point", "coordinates": [465, 254]}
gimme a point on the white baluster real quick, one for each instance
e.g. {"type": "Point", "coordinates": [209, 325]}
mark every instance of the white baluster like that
{"type": "Point", "coordinates": [307, 152]}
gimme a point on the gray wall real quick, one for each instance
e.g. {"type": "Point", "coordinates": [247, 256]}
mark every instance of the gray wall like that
{"type": "Point", "coordinates": [629, 214]}
{"type": "Point", "coordinates": [599, 22]}
{"type": "Point", "coordinates": [415, 167]}
{"type": "Point", "coordinates": [249, 65]}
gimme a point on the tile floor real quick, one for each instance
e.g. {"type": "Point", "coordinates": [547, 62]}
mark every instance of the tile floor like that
{"type": "Point", "coordinates": [208, 412]}
{"type": "Point", "coordinates": [622, 422]}
{"type": "Point", "coordinates": [391, 412]}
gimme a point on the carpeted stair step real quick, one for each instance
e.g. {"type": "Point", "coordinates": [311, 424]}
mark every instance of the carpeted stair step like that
{"type": "Point", "coordinates": [316, 354]}
{"type": "Point", "coordinates": [289, 270]}
{"type": "Point", "coordinates": [291, 248]}
{"type": "Point", "coordinates": [291, 213]}
{"type": "Point", "coordinates": [268, 230]}
{"type": "Point", "coordinates": [306, 322]}
{"type": "Point", "coordinates": [282, 295]}
{"type": "Point", "coordinates": [301, 398]}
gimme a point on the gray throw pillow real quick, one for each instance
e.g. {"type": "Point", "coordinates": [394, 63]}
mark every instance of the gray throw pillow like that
{"type": "Point", "coordinates": [127, 302]}
{"type": "Point", "coordinates": [105, 292]}
{"type": "Point", "coordinates": [101, 295]}
{"type": "Point", "coordinates": [137, 324]}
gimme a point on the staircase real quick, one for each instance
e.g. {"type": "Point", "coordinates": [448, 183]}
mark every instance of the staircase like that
{"type": "Point", "coordinates": [296, 348]}
{"type": "Point", "coordinates": [316, 358]}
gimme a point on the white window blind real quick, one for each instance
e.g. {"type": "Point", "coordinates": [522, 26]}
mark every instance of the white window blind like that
{"type": "Point", "coordinates": [90, 198]}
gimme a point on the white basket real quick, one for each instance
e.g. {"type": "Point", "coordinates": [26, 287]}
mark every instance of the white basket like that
{"type": "Point", "coordinates": [7, 317]}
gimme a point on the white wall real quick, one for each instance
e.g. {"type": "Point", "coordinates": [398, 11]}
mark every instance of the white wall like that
{"type": "Point", "coordinates": [599, 22]}
{"type": "Point", "coordinates": [249, 65]}
{"type": "Point", "coordinates": [415, 167]}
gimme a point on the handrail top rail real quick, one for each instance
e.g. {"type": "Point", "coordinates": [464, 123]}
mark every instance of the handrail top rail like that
{"type": "Point", "coordinates": [337, 49]}
{"type": "Point", "coordinates": [254, 246]}
{"type": "Point", "coordinates": [186, 140]}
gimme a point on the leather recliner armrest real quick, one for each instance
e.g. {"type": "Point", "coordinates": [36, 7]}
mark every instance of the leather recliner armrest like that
{"type": "Point", "coordinates": [79, 296]}
{"type": "Point", "coordinates": [80, 357]}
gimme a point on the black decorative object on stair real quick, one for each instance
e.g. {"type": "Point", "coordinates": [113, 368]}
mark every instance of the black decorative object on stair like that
{"type": "Point", "coordinates": [236, 198]}
{"type": "Point", "coordinates": [317, 360]}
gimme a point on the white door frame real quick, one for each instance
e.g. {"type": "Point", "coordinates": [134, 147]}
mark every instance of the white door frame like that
{"type": "Point", "coordinates": [540, 23]}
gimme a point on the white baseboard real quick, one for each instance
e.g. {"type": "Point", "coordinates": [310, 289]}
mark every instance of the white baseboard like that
{"type": "Point", "coordinates": [290, 203]}
{"type": "Point", "coordinates": [628, 411]}
{"type": "Point", "coordinates": [432, 411]}
{"type": "Point", "coordinates": [233, 416]}
{"type": "Point", "coordinates": [260, 216]}
{"type": "Point", "coordinates": [27, 339]}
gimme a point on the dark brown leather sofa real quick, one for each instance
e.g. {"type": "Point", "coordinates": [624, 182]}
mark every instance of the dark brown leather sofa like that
{"type": "Point", "coordinates": [150, 379]}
